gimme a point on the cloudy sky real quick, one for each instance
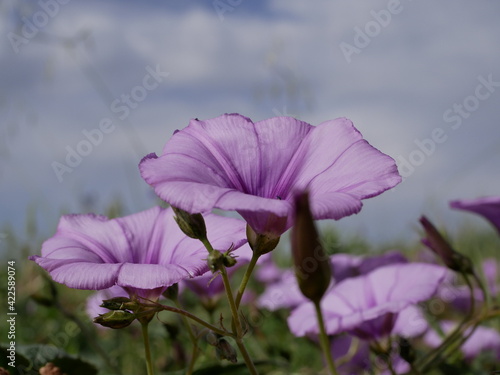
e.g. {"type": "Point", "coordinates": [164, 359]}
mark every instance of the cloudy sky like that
{"type": "Point", "coordinates": [420, 79]}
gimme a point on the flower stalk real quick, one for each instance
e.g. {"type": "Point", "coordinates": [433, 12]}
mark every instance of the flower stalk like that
{"type": "Point", "coordinates": [238, 335]}
{"type": "Point", "coordinates": [324, 341]}
{"type": "Point", "coordinates": [147, 349]}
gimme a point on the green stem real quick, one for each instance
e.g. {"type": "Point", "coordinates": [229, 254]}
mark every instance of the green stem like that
{"type": "Point", "coordinates": [237, 322]}
{"type": "Point", "coordinates": [207, 245]}
{"type": "Point", "coordinates": [455, 335]}
{"type": "Point", "coordinates": [325, 342]}
{"type": "Point", "coordinates": [193, 338]}
{"type": "Point", "coordinates": [484, 291]}
{"type": "Point", "coordinates": [246, 278]}
{"type": "Point", "coordinates": [234, 311]}
{"type": "Point", "coordinates": [232, 304]}
{"type": "Point", "coordinates": [147, 350]}
{"type": "Point", "coordinates": [190, 316]}
{"type": "Point", "coordinates": [246, 357]}
{"type": "Point", "coordinates": [388, 357]}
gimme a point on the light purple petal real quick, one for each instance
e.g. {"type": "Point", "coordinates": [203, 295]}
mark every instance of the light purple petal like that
{"type": "Point", "coordinates": [144, 252]}
{"type": "Point", "coordinates": [78, 274]}
{"type": "Point", "coordinates": [410, 322]}
{"type": "Point", "coordinates": [483, 339]}
{"type": "Point", "coordinates": [355, 302]}
{"type": "Point", "coordinates": [283, 294]}
{"type": "Point", "coordinates": [488, 207]}
{"type": "Point", "coordinates": [232, 164]}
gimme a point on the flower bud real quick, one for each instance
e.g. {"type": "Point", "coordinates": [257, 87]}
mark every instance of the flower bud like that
{"type": "Point", "coordinates": [120, 303]}
{"type": "Point", "coordinates": [224, 350]}
{"type": "Point", "coordinates": [312, 265]}
{"type": "Point", "coordinates": [261, 243]}
{"type": "Point", "coordinates": [228, 260]}
{"type": "Point", "coordinates": [193, 225]}
{"type": "Point", "coordinates": [115, 319]}
{"type": "Point", "coordinates": [215, 261]}
{"type": "Point", "coordinates": [436, 242]}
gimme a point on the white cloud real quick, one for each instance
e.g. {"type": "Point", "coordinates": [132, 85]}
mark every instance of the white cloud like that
{"type": "Point", "coordinates": [396, 90]}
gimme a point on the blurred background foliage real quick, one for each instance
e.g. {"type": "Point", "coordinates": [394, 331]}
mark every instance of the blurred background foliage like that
{"type": "Point", "coordinates": [52, 323]}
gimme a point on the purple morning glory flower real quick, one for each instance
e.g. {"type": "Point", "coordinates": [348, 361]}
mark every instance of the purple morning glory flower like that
{"type": "Point", "coordinates": [233, 164]}
{"type": "Point", "coordinates": [483, 339]}
{"type": "Point", "coordinates": [144, 253]}
{"type": "Point", "coordinates": [367, 306]}
{"type": "Point", "coordinates": [282, 291]}
{"type": "Point", "coordinates": [488, 207]}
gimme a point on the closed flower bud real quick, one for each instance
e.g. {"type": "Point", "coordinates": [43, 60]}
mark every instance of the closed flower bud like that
{"type": "Point", "coordinates": [261, 243]}
{"type": "Point", "coordinates": [120, 303]}
{"type": "Point", "coordinates": [193, 225]}
{"type": "Point", "coordinates": [436, 242]}
{"type": "Point", "coordinates": [115, 319]}
{"type": "Point", "coordinates": [312, 265]}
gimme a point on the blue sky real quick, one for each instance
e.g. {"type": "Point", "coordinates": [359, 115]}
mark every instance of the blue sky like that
{"type": "Point", "coordinates": [419, 79]}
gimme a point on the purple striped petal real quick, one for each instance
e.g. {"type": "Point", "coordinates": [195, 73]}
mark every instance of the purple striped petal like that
{"type": "Point", "coordinates": [233, 164]}
{"type": "Point", "coordinates": [488, 207]}
{"type": "Point", "coordinates": [367, 305]}
{"type": "Point", "coordinates": [144, 253]}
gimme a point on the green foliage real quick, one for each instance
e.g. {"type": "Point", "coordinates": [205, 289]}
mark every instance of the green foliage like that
{"type": "Point", "coordinates": [52, 325]}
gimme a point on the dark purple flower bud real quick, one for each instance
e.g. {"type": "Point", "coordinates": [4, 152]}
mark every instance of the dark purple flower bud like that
{"type": "Point", "coordinates": [261, 243]}
{"type": "Point", "coordinates": [312, 265]}
{"type": "Point", "coordinates": [115, 319]}
{"type": "Point", "coordinates": [438, 244]}
{"type": "Point", "coordinates": [193, 225]}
